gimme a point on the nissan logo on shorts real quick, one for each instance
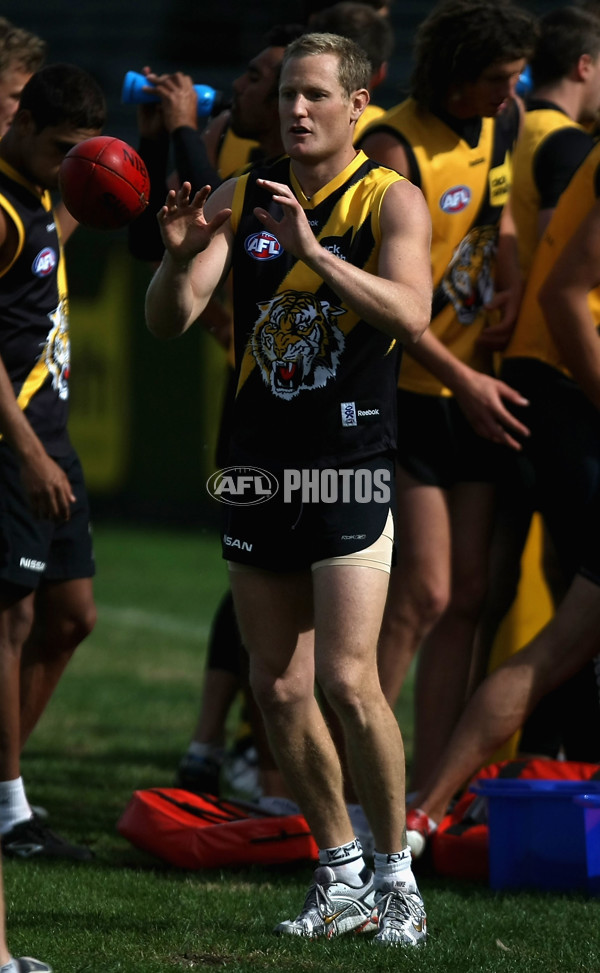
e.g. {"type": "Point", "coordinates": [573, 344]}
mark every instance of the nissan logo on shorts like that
{"type": "Point", "coordinates": [242, 486]}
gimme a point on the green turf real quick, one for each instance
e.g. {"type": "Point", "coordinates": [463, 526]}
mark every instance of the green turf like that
{"type": "Point", "coordinates": [119, 721]}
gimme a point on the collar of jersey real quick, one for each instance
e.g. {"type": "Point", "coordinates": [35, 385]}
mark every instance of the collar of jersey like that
{"type": "Point", "coordinates": [330, 187]}
{"type": "Point", "coordinates": [5, 167]}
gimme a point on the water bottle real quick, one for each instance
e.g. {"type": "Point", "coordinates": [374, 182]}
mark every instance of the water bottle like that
{"type": "Point", "coordinates": [209, 101]}
{"type": "Point", "coordinates": [525, 82]}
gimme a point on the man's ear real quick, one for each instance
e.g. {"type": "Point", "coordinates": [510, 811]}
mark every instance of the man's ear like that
{"type": "Point", "coordinates": [23, 122]}
{"type": "Point", "coordinates": [585, 64]}
{"type": "Point", "coordinates": [360, 99]}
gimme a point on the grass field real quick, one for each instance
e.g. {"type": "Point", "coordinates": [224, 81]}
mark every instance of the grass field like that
{"type": "Point", "coordinates": [118, 722]}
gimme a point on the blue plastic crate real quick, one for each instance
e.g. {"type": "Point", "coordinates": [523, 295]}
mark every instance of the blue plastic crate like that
{"type": "Point", "coordinates": [537, 837]}
{"type": "Point", "coordinates": [590, 805]}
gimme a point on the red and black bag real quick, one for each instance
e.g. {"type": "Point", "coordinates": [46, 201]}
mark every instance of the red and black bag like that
{"type": "Point", "coordinates": [200, 831]}
{"type": "Point", "coordinates": [459, 847]}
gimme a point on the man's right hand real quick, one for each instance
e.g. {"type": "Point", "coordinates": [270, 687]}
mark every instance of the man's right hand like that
{"type": "Point", "coordinates": [178, 98]}
{"type": "Point", "coordinates": [183, 226]}
{"type": "Point", "coordinates": [482, 399]}
{"type": "Point", "coordinates": [48, 488]}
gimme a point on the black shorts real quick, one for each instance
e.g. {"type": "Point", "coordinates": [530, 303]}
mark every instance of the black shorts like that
{"type": "Point", "coordinates": [438, 446]}
{"type": "Point", "coordinates": [33, 549]}
{"type": "Point", "coordinates": [329, 514]}
{"type": "Point", "coordinates": [590, 556]}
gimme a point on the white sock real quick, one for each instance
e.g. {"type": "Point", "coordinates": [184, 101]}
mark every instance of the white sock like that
{"type": "Point", "coordinates": [14, 806]}
{"type": "Point", "coordinates": [10, 967]}
{"type": "Point", "coordinates": [393, 868]}
{"type": "Point", "coordinates": [346, 861]}
{"type": "Point", "coordinates": [213, 750]}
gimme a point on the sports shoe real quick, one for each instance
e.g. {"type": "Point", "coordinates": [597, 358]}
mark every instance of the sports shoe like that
{"type": "Point", "coordinates": [26, 964]}
{"type": "Point", "coordinates": [32, 839]}
{"type": "Point", "coordinates": [199, 775]}
{"type": "Point", "coordinates": [419, 828]}
{"type": "Point", "coordinates": [241, 776]}
{"type": "Point", "coordinates": [331, 907]}
{"type": "Point", "coordinates": [400, 916]}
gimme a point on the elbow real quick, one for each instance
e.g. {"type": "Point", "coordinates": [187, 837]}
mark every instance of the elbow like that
{"type": "Point", "coordinates": [156, 324]}
{"type": "Point", "coordinates": [419, 326]}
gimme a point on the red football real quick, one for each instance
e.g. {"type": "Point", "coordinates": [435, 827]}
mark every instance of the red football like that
{"type": "Point", "coordinates": [104, 183]}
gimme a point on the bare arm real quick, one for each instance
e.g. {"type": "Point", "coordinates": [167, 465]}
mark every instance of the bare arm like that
{"type": "Point", "coordinates": [481, 397]}
{"type": "Point", "coordinates": [197, 238]}
{"type": "Point", "coordinates": [47, 486]}
{"type": "Point", "coordinates": [508, 286]}
{"type": "Point", "coordinates": [564, 301]}
{"type": "Point", "coordinates": [388, 151]}
{"type": "Point", "coordinates": [396, 300]}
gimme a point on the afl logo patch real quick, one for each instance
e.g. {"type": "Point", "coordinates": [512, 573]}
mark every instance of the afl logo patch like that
{"type": "Point", "coordinates": [263, 246]}
{"type": "Point", "coordinates": [44, 263]}
{"type": "Point", "coordinates": [456, 199]}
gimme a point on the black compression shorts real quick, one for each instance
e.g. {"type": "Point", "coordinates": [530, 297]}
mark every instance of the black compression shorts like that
{"type": "Point", "coordinates": [33, 549]}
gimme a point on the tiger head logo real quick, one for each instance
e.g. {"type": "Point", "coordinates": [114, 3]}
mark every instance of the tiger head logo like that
{"type": "Point", "coordinates": [296, 343]}
{"type": "Point", "coordinates": [57, 350]}
{"type": "Point", "coordinates": [469, 282]}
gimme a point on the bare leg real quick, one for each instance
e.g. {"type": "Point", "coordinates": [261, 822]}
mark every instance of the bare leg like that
{"type": "Point", "coordinates": [276, 622]}
{"type": "Point", "coordinates": [445, 658]}
{"type": "Point", "coordinates": [220, 689]}
{"type": "Point", "coordinates": [419, 584]}
{"type": "Point", "coordinates": [349, 602]}
{"type": "Point", "coordinates": [511, 527]}
{"type": "Point", "coordinates": [16, 618]}
{"type": "Point", "coordinates": [64, 615]}
{"type": "Point", "coordinates": [507, 696]}
{"type": "Point", "coordinates": [4, 954]}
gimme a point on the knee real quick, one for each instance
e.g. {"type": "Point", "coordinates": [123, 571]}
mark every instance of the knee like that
{"type": "Point", "coordinates": [275, 692]}
{"type": "Point", "coordinates": [417, 605]}
{"type": "Point", "coordinates": [71, 627]}
{"type": "Point", "coordinates": [349, 692]}
{"type": "Point", "coordinates": [15, 625]}
{"type": "Point", "coordinates": [468, 594]}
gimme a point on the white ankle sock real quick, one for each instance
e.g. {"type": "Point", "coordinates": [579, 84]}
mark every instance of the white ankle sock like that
{"type": "Point", "coordinates": [394, 868]}
{"type": "Point", "coordinates": [213, 750]}
{"type": "Point", "coordinates": [10, 967]}
{"type": "Point", "coordinates": [14, 806]}
{"type": "Point", "coordinates": [347, 862]}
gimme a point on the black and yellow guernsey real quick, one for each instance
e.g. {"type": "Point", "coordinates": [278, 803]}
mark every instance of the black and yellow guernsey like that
{"type": "Point", "coordinates": [531, 337]}
{"type": "Point", "coordinates": [464, 169]}
{"type": "Point", "coordinates": [550, 148]}
{"type": "Point", "coordinates": [315, 383]}
{"type": "Point", "coordinates": [34, 332]}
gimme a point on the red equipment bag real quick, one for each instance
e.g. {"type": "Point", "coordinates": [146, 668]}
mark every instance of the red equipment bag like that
{"type": "Point", "coordinates": [201, 831]}
{"type": "Point", "coordinates": [459, 847]}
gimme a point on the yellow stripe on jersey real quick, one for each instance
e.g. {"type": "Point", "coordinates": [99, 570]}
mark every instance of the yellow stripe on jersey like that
{"type": "Point", "coordinates": [350, 211]}
{"type": "Point", "coordinates": [18, 223]}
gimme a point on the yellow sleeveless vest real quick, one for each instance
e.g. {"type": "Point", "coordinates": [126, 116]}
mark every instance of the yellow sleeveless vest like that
{"type": "Point", "coordinates": [465, 189]}
{"type": "Point", "coordinates": [525, 198]}
{"type": "Point", "coordinates": [531, 338]}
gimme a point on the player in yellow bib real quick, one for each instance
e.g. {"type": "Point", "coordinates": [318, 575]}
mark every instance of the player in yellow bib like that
{"type": "Point", "coordinates": [454, 137]}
